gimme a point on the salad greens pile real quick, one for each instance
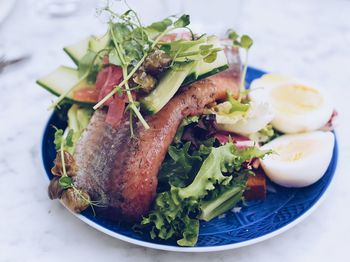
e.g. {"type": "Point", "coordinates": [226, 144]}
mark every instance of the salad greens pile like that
{"type": "Point", "coordinates": [197, 184]}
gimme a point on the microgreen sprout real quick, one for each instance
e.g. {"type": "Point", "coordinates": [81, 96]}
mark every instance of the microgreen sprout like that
{"type": "Point", "coordinates": [126, 31]}
{"type": "Point", "coordinates": [246, 43]}
{"type": "Point", "coordinates": [130, 43]}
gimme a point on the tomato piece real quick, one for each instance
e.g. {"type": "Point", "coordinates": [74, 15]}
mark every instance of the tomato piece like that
{"type": "Point", "coordinates": [107, 78]}
{"type": "Point", "coordinates": [86, 94]}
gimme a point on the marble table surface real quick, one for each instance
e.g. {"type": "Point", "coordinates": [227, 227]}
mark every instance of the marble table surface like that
{"type": "Point", "coordinates": [308, 39]}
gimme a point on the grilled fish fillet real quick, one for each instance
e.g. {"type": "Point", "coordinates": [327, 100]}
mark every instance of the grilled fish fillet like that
{"type": "Point", "coordinates": [121, 172]}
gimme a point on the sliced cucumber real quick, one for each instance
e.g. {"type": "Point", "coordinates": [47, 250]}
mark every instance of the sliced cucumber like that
{"type": "Point", "coordinates": [98, 43]}
{"type": "Point", "coordinates": [203, 69]}
{"type": "Point", "coordinates": [166, 88]}
{"type": "Point", "coordinates": [63, 79]}
{"type": "Point", "coordinates": [78, 50]}
{"type": "Point", "coordinates": [190, 73]}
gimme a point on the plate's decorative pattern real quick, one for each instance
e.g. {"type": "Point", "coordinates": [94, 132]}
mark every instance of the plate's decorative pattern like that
{"type": "Point", "coordinates": [254, 219]}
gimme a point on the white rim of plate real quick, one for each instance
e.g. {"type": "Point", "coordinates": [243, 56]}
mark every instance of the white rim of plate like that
{"type": "Point", "coordinates": [196, 249]}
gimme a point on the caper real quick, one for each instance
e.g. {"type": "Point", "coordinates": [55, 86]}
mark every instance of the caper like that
{"type": "Point", "coordinates": [55, 190]}
{"type": "Point", "coordinates": [76, 200]}
{"type": "Point", "coordinates": [69, 161]}
{"type": "Point", "coordinates": [156, 62]}
{"type": "Point", "coordinates": [145, 81]}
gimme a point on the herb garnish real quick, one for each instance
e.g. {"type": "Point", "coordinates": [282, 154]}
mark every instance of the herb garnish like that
{"type": "Point", "coordinates": [131, 44]}
{"type": "Point", "coordinates": [244, 42]}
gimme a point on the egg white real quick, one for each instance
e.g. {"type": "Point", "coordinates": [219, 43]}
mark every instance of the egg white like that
{"type": "Point", "coordinates": [297, 107]}
{"type": "Point", "coordinates": [298, 160]}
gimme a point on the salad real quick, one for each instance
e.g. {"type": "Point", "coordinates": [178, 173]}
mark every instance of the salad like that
{"type": "Point", "coordinates": [163, 134]}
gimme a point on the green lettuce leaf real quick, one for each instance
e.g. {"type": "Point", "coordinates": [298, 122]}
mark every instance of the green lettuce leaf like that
{"type": "Point", "coordinates": [223, 198]}
{"type": "Point", "coordinates": [185, 122]}
{"type": "Point", "coordinates": [78, 119]}
{"type": "Point", "coordinates": [217, 187]}
{"type": "Point", "coordinates": [58, 138]}
{"type": "Point", "coordinates": [219, 161]}
{"type": "Point", "coordinates": [265, 135]}
{"type": "Point", "coordinates": [178, 168]}
{"type": "Point", "coordinates": [236, 105]}
{"type": "Point", "coordinates": [160, 26]}
{"type": "Point", "coordinates": [183, 159]}
{"type": "Point", "coordinates": [174, 217]}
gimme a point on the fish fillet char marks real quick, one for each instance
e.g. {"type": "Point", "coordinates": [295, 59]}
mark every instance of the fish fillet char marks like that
{"type": "Point", "coordinates": [120, 171]}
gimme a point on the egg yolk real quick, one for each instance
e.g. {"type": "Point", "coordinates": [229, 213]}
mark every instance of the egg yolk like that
{"type": "Point", "coordinates": [274, 77]}
{"type": "Point", "coordinates": [296, 99]}
{"type": "Point", "coordinates": [296, 150]}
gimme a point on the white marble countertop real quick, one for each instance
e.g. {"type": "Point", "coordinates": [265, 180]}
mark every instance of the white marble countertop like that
{"type": "Point", "coordinates": [308, 39]}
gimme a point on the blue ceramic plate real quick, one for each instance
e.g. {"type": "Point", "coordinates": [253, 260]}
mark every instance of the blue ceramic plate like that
{"type": "Point", "coordinates": [259, 220]}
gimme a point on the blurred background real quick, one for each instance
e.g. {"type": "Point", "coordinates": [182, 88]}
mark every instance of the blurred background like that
{"type": "Point", "coordinates": [309, 39]}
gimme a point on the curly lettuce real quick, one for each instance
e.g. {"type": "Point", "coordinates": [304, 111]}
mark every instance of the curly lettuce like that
{"type": "Point", "coordinates": [178, 167]}
{"type": "Point", "coordinates": [184, 158]}
{"type": "Point", "coordinates": [185, 122]}
{"type": "Point", "coordinates": [223, 198]}
{"type": "Point", "coordinates": [217, 187]}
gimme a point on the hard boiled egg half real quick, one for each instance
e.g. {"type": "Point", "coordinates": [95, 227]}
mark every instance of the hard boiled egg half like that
{"type": "Point", "coordinates": [297, 107]}
{"type": "Point", "coordinates": [298, 160]}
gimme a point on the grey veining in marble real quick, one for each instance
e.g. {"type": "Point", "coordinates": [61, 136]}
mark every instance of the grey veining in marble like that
{"type": "Point", "coordinates": [307, 39]}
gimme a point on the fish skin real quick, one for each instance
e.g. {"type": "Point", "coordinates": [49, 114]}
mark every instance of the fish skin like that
{"type": "Point", "coordinates": [121, 172]}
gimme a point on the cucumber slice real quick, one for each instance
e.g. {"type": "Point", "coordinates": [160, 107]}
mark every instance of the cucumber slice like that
{"type": "Point", "coordinates": [63, 79]}
{"type": "Point", "coordinates": [78, 50]}
{"type": "Point", "coordinates": [174, 78]}
{"type": "Point", "coordinates": [96, 44]}
{"type": "Point", "coordinates": [203, 69]}
{"type": "Point", "coordinates": [166, 88]}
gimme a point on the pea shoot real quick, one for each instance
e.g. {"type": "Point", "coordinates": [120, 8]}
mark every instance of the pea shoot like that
{"type": "Point", "coordinates": [129, 44]}
{"type": "Point", "coordinates": [246, 43]}
{"type": "Point", "coordinates": [132, 43]}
